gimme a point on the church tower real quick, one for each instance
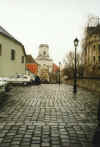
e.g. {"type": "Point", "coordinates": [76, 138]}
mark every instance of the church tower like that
{"type": "Point", "coordinates": [45, 64]}
{"type": "Point", "coordinates": [43, 50]}
{"type": "Point", "coordinates": [43, 54]}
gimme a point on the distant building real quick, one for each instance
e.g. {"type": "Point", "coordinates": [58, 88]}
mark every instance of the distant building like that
{"type": "Point", "coordinates": [45, 63]}
{"type": "Point", "coordinates": [91, 50]}
{"type": "Point", "coordinates": [12, 55]}
{"type": "Point", "coordinates": [55, 68]}
{"type": "Point", "coordinates": [29, 59]}
{"type": "Point", "coordinates": [31, 65]}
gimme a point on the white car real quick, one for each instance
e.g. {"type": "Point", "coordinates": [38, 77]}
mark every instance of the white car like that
{"type": "Point", "coordinates": [20, 79]}
{"type": "Point", "coordinates": [3, 85]}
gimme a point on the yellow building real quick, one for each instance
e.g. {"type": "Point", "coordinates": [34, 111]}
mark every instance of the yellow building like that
{"type": "Point", "coordinates": [91, 50]}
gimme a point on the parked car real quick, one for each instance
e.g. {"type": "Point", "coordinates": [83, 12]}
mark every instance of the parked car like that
{"type": "Point", "coordinates": [44, 81]}
{"type": "Point", "coordinates": [20, 79]}
{"type": "Point", "coordinates": [35, 80]}
{"type": "Point", "coordinates": [4, 87]}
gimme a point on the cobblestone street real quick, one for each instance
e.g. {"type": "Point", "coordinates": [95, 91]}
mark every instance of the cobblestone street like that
{"type": "Point", "coordinates": [48, 116]}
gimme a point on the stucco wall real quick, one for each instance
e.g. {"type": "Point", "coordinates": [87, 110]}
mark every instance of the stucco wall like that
{"type": "Point", "coordinates": [10, 67]}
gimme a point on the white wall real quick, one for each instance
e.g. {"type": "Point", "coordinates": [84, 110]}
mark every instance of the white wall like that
{"type": "Point", "coordinates": [10, 67]}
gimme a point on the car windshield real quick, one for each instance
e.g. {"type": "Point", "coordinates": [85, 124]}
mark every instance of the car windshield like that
{"type": "Point", "coordinates": [20, 76]}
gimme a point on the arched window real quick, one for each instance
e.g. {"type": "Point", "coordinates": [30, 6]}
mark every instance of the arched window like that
{"type": "Point", "coordinates": [12, 54]}
{"type": "Point", "coordinates": [44, 53]}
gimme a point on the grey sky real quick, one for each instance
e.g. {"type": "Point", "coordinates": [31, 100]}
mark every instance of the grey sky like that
{"type": "Point", "coordinates": [56, 22]}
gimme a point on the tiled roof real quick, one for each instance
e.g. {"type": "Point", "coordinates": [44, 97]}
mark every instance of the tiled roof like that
{"type": "Point", "coordinates": [55, 68]}
{"type": "Point", "coordinates": [93, 30]}
{"type": "Point", "coordinates": [29, 59]}
{"type": "Point", "coordinates": [44, 45]}
{"type": "Point", "coordinates": [32, 68]}
{"type": "Point", "coordinates": [5, 33]}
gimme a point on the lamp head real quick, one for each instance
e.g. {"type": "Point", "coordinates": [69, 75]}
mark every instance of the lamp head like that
{"type": "Point", "coordinates": [76, 42]}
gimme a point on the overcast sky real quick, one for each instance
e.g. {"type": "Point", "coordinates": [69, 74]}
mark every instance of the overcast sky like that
{"type": "Point", "coordinates": [55, 22]}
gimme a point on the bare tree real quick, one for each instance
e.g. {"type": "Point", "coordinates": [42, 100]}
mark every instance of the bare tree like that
{"type": "Point", "coordinates": [70, 61]}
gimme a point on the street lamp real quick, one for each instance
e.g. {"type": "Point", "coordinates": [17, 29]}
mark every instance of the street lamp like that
{"type": "Point", "coordinates": [75, 69]}
{"type": "Point", "coordinates": [59, 72]}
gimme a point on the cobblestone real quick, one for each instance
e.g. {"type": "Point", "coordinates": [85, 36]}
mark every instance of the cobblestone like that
{"type": "Point", "coordinates": [48, 116]}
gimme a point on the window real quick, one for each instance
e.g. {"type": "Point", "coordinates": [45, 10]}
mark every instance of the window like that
{"type": "Point", "coordinates": [12, 54]}
{"type": "Point", "coordinates": [44, 53]}
{"type": "Point", "coordinates": [0, 50]}
{"type": "Point", "coordinates": [94, 59]}
{"type": "Point", "coordinates": [89, 42]}
{"type": "Point", "coordinates": [94, 46]}
{"type": "Point", "coordinates": [99, 48]}
{"type": "Point", "coordinates": [99, 59]}
{"type": "Point", "coordinates": [22, 59]}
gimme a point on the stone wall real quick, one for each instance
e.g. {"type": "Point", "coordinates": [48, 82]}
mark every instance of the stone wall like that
{"type": "Point", "coordinates": [89, 84]}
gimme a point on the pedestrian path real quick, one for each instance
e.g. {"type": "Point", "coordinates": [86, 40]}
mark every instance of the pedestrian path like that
{"type": "Point", "coordinates": [48, 116]}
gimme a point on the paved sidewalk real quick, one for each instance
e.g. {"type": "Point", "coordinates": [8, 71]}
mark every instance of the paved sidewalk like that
{"type": "Point", "coordinates": [48, 116]}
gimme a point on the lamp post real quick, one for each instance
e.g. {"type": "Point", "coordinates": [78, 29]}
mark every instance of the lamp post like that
{"type": "Point", "coordinates": [75, 68]}
{"type": "Point", "coordinates": [59, 72]}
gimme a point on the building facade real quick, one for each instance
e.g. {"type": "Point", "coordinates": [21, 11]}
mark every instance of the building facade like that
{"type": "Point", "coordinates": [45, 63]}
{"type": "Point", "coordinates": [91, 49]}
{"type": "Point", "coordinates": [12, 55]}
